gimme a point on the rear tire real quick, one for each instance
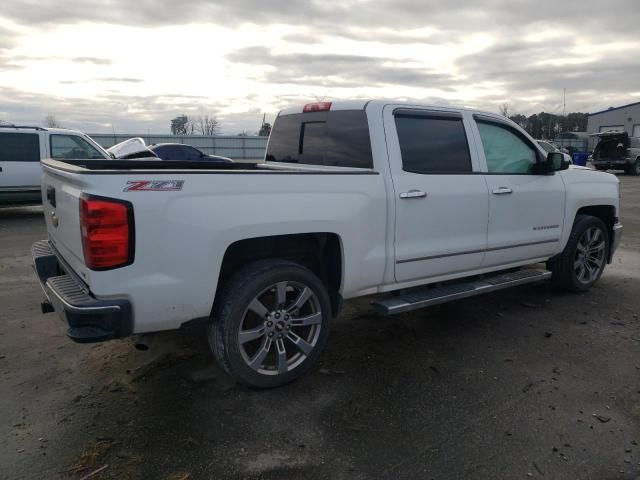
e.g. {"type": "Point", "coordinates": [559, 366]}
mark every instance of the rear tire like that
{"type": "Point", "coordinates": [582, 262]}
{"type": "Point", "coordinates": [271, 323]}
{"type": "Point", "coordinates": [634, 169]}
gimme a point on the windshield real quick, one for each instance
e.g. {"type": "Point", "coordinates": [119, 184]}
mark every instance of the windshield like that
{"type": "Point", "coordinates": [73, 147]}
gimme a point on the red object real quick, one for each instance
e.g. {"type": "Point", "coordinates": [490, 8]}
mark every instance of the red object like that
{"type": "Point", "coordinates": [107, 231]}
{"type": "Point", "coordinates": [317, 107]}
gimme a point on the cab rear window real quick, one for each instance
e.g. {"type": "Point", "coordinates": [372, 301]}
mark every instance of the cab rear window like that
{"type": "Point", "coordinates": [334, 138]}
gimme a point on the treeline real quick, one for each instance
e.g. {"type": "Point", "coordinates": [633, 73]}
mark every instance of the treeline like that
{"type": "Point", "coordinates": [548, 126]}
{"type": "Point", "coordinates": [202, 125]}
{"type": "Point", "coordinates": [209, 125]}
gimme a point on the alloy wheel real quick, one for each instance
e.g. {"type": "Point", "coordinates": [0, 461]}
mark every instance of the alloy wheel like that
{"type": "Point", "coordinates": [280, 328]}
{"type": "Point", "coordinates": [590, 255]}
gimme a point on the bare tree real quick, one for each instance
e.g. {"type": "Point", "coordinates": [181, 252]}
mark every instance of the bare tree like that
{"type": "Point", "coordinates": [505, 110]}
{"type": "Point", "coordinates": [206, 125]}
{"type": "Point", "coordinates": [51, 121]}
{"type": "Point", "coordinates": [179, 125]}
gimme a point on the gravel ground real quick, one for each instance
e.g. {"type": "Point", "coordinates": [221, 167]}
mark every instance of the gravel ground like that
{"type": "Point", "coordinates": [524, 383]}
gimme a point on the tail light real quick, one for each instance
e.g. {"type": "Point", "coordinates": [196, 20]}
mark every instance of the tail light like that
{"type": "Point", "coordinates": [316, 107]}
{"type": "Point", "coordinates": [107, 230]}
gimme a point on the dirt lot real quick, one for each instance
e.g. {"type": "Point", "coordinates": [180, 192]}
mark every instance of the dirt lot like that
{"type": "Point", "coordinates": [526, 383]}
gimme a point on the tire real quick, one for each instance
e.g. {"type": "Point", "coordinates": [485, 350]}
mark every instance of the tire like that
{"type": "Point", "coordinates": [634, 169]}
{"type": "Point", "coordinates": [582, 262]}
{"type": "Point", "coordinates": [252, 303]}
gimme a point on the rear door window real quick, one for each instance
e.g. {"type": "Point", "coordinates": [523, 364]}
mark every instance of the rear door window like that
{"type": "Point", "coordinates": [72, 147]}
{"type": "Point", "coordinates": [432, 144]}
{"type": "Point", "coordinates": [337, 138]}
{"type": "Point", "coordinates": [19, 147]}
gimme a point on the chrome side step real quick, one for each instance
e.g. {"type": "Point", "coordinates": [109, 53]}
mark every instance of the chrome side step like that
{"type": "Point", "coordinates": [454, 291]}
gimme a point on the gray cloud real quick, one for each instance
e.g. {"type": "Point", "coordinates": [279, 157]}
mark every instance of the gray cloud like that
{"type": "Point", "coordinates": [336, 70]}
{"type": "Point", "coordinates": [58, 58]}
{"type": "Point", "coordinates": [363, 34]}
{"type": "Point", "coordinates": [104, 79]}
{"type": "Point", "coordinates": [8, 61]}
{"type": "Point", "coordinates": [111, 111]}
{"type": "Point", "coordinates": [511, 62]}
{"type": "Point", "coordinates": [616, 16]}
{"type": "Point", "coordinates": [516, 66]}
{"type": "Point", "coordinates": [91, 60]}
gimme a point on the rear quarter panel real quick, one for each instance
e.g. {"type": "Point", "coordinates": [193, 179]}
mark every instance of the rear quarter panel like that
{"type": "Point", "coordinates": [181, 236]}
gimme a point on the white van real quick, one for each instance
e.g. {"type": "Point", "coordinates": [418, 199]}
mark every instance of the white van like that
{"type": "Point", "coordinates": [22, 148]}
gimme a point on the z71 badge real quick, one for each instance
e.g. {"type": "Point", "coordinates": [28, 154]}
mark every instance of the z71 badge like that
{"type": "Point", "coordinates": [154, 186]}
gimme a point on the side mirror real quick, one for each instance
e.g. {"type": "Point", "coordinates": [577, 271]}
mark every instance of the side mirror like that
{"type": "Point", "coordinates": [555, 162]}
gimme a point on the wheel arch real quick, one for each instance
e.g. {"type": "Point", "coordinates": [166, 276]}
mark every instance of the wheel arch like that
{"type": "Point", "coordinates": [606, 213]}
{"type": "Point", "coordinates": [320, 252]}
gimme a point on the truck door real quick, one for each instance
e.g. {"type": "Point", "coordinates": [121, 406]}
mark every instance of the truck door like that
{"type": "Point", "coordinates": [441, 199]}
{"type": "Point", "coordinates": [19, 161]}
{"type": "Point", "coordinates": [526, 209]}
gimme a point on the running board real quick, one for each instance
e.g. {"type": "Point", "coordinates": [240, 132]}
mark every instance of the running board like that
{"type": "Point", "coordinates": [455, 291]}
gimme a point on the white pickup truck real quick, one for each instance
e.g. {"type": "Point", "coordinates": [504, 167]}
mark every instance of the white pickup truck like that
{"type": "Point", "coordinates": [22, 148]}
{"type": "Point", "coordinates": [416, 204]}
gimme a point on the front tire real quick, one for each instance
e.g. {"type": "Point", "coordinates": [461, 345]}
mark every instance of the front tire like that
{"type": "Point", "coordinates": [582, 262]}
{"type": "Point", "coordinates": [271, 323]}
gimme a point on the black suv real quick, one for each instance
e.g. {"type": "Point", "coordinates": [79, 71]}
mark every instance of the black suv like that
{"type": "Point", "coordinates": [179, 151]}
{"type": "Point", "coordinates": [617, 150]}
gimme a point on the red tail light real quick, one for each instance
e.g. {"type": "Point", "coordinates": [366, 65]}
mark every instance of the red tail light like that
{"type": "Point", "coordinates": [316, 107]}
{"type": "Point", "coordinates": [107, 230]}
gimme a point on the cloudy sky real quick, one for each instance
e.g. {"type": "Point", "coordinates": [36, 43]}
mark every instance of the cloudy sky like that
{"type": "Point", "coordinates": [111, 66]}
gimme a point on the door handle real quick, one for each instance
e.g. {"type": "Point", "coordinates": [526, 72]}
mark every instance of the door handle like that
{"type": "Point", "coordinates": [502, 190]}
{"type": "Point", "coordinates": [412, 194]}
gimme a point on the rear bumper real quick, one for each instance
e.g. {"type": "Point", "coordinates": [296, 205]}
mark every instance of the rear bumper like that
{"type": "Point", "coordinates": [615, 240]}
{"type": "Point", "coordinates": [89, 319]}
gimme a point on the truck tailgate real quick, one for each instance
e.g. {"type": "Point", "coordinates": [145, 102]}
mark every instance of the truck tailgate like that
{"type": "Point", "coordinates": [61, 197]}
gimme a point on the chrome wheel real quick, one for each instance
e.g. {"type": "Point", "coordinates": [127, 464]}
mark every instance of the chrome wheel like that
{"type": "Point", "coordinates": [280, 328]}
{"type": "Point", "coordinates": [590, 255]}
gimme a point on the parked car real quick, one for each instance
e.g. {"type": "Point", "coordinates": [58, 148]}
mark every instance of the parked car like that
{"type": "Point", "coordinates": [418, 205]}
{"type": "Point", "coordinates": [618, 151]}
{"type": "Point", "coordinates": [137, 148]}
{"type": "Point", "coordinates": [21, 150]}
{"type": "Point", "coordinates": [550, 147]}
{"type": "Point", "coordinates": [179, 151]}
